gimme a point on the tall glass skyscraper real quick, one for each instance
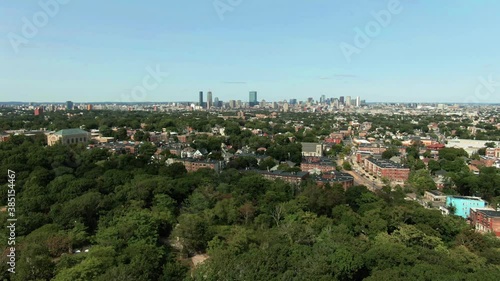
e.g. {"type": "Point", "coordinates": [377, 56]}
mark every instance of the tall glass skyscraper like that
{"type": "Point", "coordinates": [252, 98]}
{"type": "Point", "coordinates": [201, 99]}
{"type": "Point", "coordinates": [69, 105]}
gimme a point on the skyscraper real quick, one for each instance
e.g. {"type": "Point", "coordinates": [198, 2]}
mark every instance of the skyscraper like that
{"type": "Point", "coordinates": [341, 100]}
{"type": "Point", "coordinates": [252, 99]}
{"type": "Point", "coordinates": [69, 105]}
{"type": "Point", "coordinates": [209, 100]}
{"type": "Point", "coordinates": [358, 101]}
{"type": "Point", "coordinates": [335, 103]}
{"type": "Point", "coordinates": [348, 101]}
{"type": "Point", "coordinates": [200, 102]}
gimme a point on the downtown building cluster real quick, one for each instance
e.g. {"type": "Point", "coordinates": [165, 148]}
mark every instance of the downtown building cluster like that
{"type": "Point", "coordinates": [213, 103]}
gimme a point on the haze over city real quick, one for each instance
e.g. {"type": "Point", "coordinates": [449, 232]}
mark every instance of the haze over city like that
{"type": "Point", "coordinates": [95, 51]}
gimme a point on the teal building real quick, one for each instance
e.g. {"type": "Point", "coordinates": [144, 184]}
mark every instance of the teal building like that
{"type": "Point", "coordinates": [463, 204]}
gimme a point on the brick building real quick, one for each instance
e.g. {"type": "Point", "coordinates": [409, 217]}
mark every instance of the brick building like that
{"type": "Point", "coordinates": [386, 169]}
{"type": "Point", "coordinates": [38, 111]}
{"type": "Point", "coordinates": [4, 137]}
{"type": "Point", "coordinates": [485, 220]}
{"type": "Point", "coordinates": [335, 177]}
{"type": "Point", "coordinates": [293, 177]}
{"type": "Point", "coordinates": [193, 165]}
{"type": "Point", "coordinates": [374, 148]}
{"type": "Point", "coordinates": [322, 164]}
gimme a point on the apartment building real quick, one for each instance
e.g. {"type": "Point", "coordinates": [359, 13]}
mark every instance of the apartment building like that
{"type": "Point", "coordinates": [386, 169]}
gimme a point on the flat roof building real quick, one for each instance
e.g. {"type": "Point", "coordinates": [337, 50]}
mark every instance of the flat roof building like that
{"type": "Point", "coordinates": [485, 220]}
{"type": "Point", "coordinates": [463, 204]}
{"type": "Point", "coordinates": [68, 136]}
{"type": "Point", "coordinates": [387, 169]}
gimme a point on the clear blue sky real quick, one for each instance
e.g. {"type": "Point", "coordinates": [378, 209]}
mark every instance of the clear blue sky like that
{"type": "Point", "coordinates": [432, 51]}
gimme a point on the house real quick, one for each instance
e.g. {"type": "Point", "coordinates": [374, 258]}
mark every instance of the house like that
{"type": "Point", "coordinates": [485, 220]}
{"type": "Point", "coordinates": [68, 136]}
{"type": "Point", "coordinates": [463, 204]}
{"type": "Point", "coordinates": [188, 152]}
{"type": "Point", "coordinates": [312, 149]}
{"type": "Point", "coordinates": [440, 182]}
{"type": "Point", "coordinates": [493, 152]}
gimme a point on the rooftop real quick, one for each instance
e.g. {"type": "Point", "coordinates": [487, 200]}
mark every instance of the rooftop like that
{"type": "Point", "coordinates": [436, 192]}
{"type": "Point", "coordinates": [284, 174]}
{"type": "Point", "coordinates": [384, 163]}
{"type": "Point", "coordinates": [465, 197]}
{"type": "Point", "coordinates": [69, 132]}
{"type": "Point", "coordinates": [489, 213]}
{"type": "Point", "coordinates": [309, 146]}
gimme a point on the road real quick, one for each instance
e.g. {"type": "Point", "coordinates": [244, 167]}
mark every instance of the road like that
{"type": "Point", "coordinates": [360, 179]}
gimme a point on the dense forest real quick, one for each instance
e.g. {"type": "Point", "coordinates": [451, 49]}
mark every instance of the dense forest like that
{"type": "Point", "coordinates": [88, 215]}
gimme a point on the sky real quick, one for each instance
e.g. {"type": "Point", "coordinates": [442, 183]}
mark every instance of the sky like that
{"type": "Point", "coordinates": [165, 50]}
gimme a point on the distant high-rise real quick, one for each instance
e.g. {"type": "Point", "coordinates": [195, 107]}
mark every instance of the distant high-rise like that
{"type": "Point", "coordinates": [348, 101]}
{"type": "Point", "coordinates": [358, 101]}
{"type": "Point", "coordinates": [200, 101]}
{"type": "Point", "coordinates": [286, 107]}
{"type": "Point", "coordinates": [216, 102]}
{"type": "Point", "coordinates": [335, 103]}
{"type": "Point", "coordinates": [322, 99]}
{"type": "Point", "coordinates": [341, 100]}
{"type": "Point", "coordinates": [89, 107]}
{"type": "Point", "coordinates": [293, 101]}
{"type": "Point", "coordinates": [209, 100]}
{"type": "Point", "coordinates": [252, 98]}
{"type": "Point", "coordinates": [69, 105]}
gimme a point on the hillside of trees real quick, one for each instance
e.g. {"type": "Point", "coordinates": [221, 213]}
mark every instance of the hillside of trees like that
{"type": "Point", "coordinates": [144, 221]}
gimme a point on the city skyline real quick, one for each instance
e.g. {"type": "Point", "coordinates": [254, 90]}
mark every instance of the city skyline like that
{"type": "Point", "coordinates": [297, 50]}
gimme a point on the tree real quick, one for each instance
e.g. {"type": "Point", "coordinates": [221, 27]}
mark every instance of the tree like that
{"type": "Point", "coordinates": [192, 232]}
{"type": "Point", "coordinates": [267, 163]}
{"type": "Point", "coordinates": [490, 144]}
{"type": "Point", "coordinates": [175, 170]}
{"type": "Point", "coordinates": [147, 150]}
{"type": "Point", "coordinates": [421, 181]}
{"type": "Point", "coordinates": [347, 166]}
{"type": "Point", "coordinates": [389, 153]}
